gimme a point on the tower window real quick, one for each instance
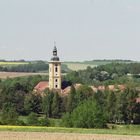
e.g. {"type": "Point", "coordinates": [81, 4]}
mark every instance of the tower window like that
{"type": "Point", "coordinates": [56, 86]}
{"type": "Point", "coordinates": [56, 80]}
{"type": "Point", "coordinates": [56, 69]}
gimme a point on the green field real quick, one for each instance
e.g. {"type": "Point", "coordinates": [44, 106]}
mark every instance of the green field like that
{"type": "Point", "coordinates": [56, 123]}
{"type": "Point", "coordinates": [78, 66]}
{"type": "Point", "coordinates": [118, 130]}
{"type": "Point", "coordinates": [72, 65]}
{"type": "Point", "coordinates": [83, 65]}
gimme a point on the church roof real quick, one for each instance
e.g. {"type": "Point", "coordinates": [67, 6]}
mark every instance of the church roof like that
{"type": "Point", "coordinates": [138, 100]}
{"type": "Point", "coordinates": [41, 86]}
{"type": "Point", "coordinates": [55, 57]}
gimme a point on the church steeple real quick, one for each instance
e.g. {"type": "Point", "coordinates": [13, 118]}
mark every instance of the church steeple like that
{"type": "Point", "coordinates": [55, 71]}
{"type": "Point", "coordinates": [55, 57]}
{"type": "Point", "coordinates": [55, 51]}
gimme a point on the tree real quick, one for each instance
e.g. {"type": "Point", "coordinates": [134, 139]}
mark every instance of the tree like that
{"type": "Point", "coordinates": [32, 119]}
{"type": "Point", "coordinates": [121, 108]}
{"type": "Point", "coordinates": [87, 115]}
{"type": "Point", "coordinates": [56, 106]}
{"type": "Point", "coordinates": [71, 100]}
{"type": "Point", "coordinates": [83, 93]}
{"type": "Point", "coordinates": [44, 122]}
{"type": "Point", "coordinates": [111, 107]}
{"type": "Point", "coordinates": [47, 103]}
{"type": "Point", "coordinates": [132, 94]}
{"type": "Point", "coordinates": [100, 98]}
{"type": "Point", "coordinates": [32, 103]}
{"type": "Point", "coordinates": [9, 114]}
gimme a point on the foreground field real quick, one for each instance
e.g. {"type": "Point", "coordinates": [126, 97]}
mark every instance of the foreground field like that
{"type": "Point", "coordinates": [118, 130]}
{"type": "Point", "coordinates": [4, 75]}
{"type": "Point", "coordinates": [61, 136]}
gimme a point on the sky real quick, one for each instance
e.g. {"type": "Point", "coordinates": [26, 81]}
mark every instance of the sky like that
{"type": "Point", "coordinates": [82, 29]}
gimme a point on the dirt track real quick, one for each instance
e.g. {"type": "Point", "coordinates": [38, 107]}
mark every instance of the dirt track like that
{"type": "Point", "coordinates": [60, 136]}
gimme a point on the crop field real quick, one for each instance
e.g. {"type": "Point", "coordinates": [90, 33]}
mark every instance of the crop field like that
{"type": "Point", "coordinates": [4, 75]}
{"type": "Point", "coordinates": [61, 136]}
{"type": "Point", "coordinates": [78, 66]}
{"type": "Point", "coordinates": [12, 63]}
{"type": "Point", "coordinates": [60, 133]}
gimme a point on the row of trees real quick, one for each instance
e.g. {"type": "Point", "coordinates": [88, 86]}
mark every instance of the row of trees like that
{"type": "Point", "coordinates": [102, 108]}
{"type": "Point", "coordinates": [37, 66]}
{"type": "Point", "coordinates": [95, 109]}
{"type": "Point", "coordinates": [103, 73]}
{"type": "Point", "coordinates": [31, 67]}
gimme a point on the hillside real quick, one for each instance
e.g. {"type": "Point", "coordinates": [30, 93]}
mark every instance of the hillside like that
{"type": "Point", "coordinates": [94, 63]}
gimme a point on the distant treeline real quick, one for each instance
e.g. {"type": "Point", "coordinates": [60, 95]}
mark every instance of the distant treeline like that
{"type": "Point", "coordinates": [110, 60]}
{"type": "Point", "coordinates": [103, 73]}
{"type": "Point", "coordinates": [31, 67]}
{"type": "Point", "coordinates": [34, 66]}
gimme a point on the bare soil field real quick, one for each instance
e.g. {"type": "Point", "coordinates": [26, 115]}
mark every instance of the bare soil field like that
{"type": "Point", "coordinates": [61, 136]}
{"type": "Point", "coordinates": [4, 75]}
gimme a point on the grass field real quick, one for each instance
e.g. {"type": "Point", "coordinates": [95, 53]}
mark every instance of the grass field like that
{"type": "Point", "coordinates": [78, 66]}
{"type": "Point", "coordinates": [60, 133]}
{"type": "Point", "coordinates": [119, 130]}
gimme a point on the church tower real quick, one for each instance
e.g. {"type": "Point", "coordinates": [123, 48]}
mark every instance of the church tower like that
{"type": "Point", "coordinates": [55, 71]}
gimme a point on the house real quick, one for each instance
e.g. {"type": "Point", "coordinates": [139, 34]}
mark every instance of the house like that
{"type": "Point", "coordinates": [41, 86]}
{"type": "Point", "coordinates": [138, 100]}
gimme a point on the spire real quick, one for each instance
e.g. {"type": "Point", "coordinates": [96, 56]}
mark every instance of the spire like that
{"type": "Point", "coordinates": [55, 49]}
{"type": "Point", "coordinates": [55, 57]}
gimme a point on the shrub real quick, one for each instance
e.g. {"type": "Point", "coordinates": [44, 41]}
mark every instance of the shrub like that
{"type": "Point", "coordinates": [66, 120]}
{"type": "Point", "coordinates": [32, 119]}
{"type": "Point", "coordinates": [9, 114]}
{"type": "Point", "coordinates": [44, 122]}
{"type": "Point", "coordinates": [20, 123]}
{"type": "Point", "coordinates": [87, 115]}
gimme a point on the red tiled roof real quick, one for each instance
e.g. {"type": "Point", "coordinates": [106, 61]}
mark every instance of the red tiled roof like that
{"type": "Point", "coordinates": [77, 85]}
{"type": "Point", "coordinates": [138, 100]}
{"type": "Point", "coordinates": [66, 91]}
{"type": "Point", "coordinates": [101, 88]}
{"type": "Point", "coordinates": [95, 89]}
{"type": "Point", "coordinates": [122, 87]}
{"type": "Point", "coordinates": [41, 86]}
{"type": "Point", "coordinates": [111, 87]}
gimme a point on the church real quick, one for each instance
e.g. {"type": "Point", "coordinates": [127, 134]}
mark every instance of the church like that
{"type": "Point", "coordinates": [55, 79]}
{"type": "Point", "coordinates": [55, 72]}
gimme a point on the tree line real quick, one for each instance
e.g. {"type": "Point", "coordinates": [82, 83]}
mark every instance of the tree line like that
{"type": "Point", "coordinates": [31, 67]}
{"type": "Point", "coordinates": [100, 75]}
{"type": "Point", "coordinates": [81, 108]}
